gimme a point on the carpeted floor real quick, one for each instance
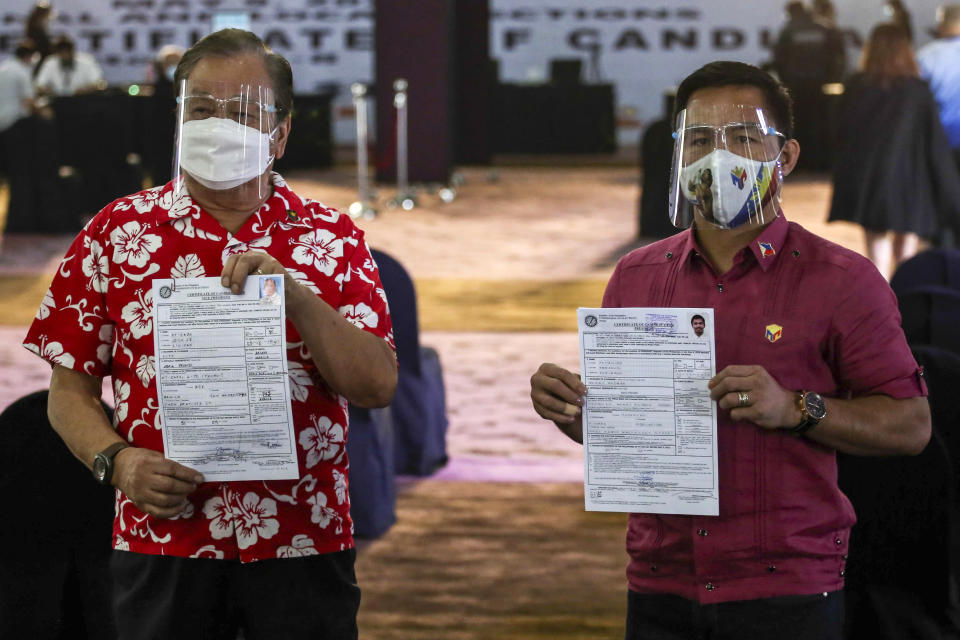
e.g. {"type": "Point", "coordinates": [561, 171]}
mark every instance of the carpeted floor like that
{"type": "Point", "coordinates": [494, 561]}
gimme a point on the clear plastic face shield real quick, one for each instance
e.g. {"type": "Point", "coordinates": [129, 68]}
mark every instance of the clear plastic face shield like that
{"type": "Point", "coordinates": [226, 138]}
{"type": "Point", "coordinates": [726, 166]}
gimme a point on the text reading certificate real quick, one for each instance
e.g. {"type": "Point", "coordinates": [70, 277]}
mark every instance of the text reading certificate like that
{"type": "Point", "coordinates": [222, 378]}
{"type": "Point", "coordinates": [649, 425]}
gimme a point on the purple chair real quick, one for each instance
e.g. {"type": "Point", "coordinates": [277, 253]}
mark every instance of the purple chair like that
{"type": "Point", "coordinates": [933, 267]}
{"type": "Point", "coordinates": [419, 408]}
{"type": "Point", "coordinates": [373, 489]}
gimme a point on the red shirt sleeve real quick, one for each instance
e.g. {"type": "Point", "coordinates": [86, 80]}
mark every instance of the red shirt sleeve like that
{"type": "Point", "coordinates": [362, 299]}
{"type": "Point", "coordinates": [72, 327]}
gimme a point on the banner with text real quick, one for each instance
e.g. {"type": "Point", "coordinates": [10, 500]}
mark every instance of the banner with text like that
{"type": "Point", "coordinates": [642, 47]}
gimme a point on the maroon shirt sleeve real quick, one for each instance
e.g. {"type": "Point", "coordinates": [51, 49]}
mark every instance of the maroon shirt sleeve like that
{"type": "Point", "coordinates": [870, 351]}
{"type": "Point", "coordinates": [611, 295]}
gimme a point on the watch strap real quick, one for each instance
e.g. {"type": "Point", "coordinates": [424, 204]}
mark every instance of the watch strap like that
{"type": "Point", "coordinates": [109, 454]}
{"type": "Point", "coordinates": [807, 421]}
{"type": "Point", "coordinates": [805, 425]}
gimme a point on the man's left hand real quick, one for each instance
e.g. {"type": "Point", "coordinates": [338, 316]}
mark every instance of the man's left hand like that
{"type": "Point", "coordinates": [768, 404]}
{"type": "Point", "coordinates": [241, 265]}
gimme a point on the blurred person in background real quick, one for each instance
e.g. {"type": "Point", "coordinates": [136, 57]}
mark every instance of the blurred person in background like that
{"type": "Point", "coordinates": [940, 64]}
{"type": "Point", "coordinates": [38, 22]}
{"type": "Point", "coordinates": [825, 13]}
{"type": "Point", "coordinates": [24, 132]}
{"type": "Point", "coordinates": [69, 72]}
{"type": "Point", "coordinates": [898, 15]}
{"type": "Point", "coordinates": [894, 174]}
{"type": "Point", "coordinates": [16, 87]}
{"type": "Point", "coordinates": [806, 56]}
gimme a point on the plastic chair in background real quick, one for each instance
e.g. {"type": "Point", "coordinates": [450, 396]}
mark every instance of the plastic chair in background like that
{"type": "Point", "coordinates": [419, 408]}
{"type": "Point", "coordinates": [56, 541]}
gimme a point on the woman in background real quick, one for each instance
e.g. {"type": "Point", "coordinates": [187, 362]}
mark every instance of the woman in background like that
{"type": "Point", "coordinates": [894, 174]}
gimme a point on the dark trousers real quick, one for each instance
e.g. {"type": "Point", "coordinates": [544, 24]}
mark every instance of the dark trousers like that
{"type": "Point", "coordinates": [165, 597]}
{"type": "Point", "coordinates": [669, 617]}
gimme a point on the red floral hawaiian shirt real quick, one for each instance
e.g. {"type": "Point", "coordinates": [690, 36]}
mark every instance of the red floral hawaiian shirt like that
{"type": "Point", "coordinates": [97, 318]}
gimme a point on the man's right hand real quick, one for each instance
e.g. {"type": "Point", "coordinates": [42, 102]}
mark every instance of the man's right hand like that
{"type": "Point", "coordinates": [557, 395]}
{"type": "Point", "coordinates": [157, 485]}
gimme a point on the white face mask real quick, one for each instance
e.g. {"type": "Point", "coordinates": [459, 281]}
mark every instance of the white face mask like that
{"type": "Point", "coordinates": [222, 154]}
{"type": "Point", "coordinates": [730, 190]}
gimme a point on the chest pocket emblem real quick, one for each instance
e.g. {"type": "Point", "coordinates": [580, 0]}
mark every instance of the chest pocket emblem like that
{"type": "Point", "coordinates": [773, 332]}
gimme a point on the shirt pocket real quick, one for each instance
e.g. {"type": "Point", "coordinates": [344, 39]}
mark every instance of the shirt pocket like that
{"type": "Point", "coordinates": [788, 348]}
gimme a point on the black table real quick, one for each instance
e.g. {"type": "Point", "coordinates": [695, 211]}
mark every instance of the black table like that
{"type": "Point", "coordinates": [101, 135]}
{"type": "Point", "coordinates": [551, 118]}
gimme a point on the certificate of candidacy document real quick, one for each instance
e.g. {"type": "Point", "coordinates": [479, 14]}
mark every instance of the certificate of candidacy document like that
{"type": "Point", "coordinates": [222, 382]}
{"type": "Point", "coordinates": [649, 425]}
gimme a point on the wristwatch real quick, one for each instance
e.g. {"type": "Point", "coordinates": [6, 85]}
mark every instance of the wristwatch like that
{"type": "Point", "coordinates": [103, 462]}
{"type": "Point", "coordinates": [812, 411]}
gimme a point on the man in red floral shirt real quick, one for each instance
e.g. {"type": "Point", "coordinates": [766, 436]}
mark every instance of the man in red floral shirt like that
{"type": "Point", "coordinates": [196, 559]}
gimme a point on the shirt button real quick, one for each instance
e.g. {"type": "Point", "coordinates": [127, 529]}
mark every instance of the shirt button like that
{"type": "Point", "coordinates": [669, 255]}
{"type": "Point", "coordinates": [771, 568]}
{"type": "Point", "coordinates": [843, 557]}
{"type": "Point", "coordinates": [702, 532]}
{"type": "Point", "coordinates": [653, 568]}
{"type": "Point", "coordinates": [838, 541]}
{"type": "Point", "coordinates": [710, 586]}
{"type": "Point", "coordinates": [720, 287]}
{"type": "Point", "coordinates": [842, 573]}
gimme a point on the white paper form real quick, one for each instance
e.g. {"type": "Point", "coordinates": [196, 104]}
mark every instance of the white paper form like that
{"type": "Point", "coordinates": [222, 381]}
{"type": "Point", "coordinates": [649, 425]}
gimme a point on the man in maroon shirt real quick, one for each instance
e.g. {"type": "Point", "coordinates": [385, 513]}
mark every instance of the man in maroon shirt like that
{"type": "Point", "coordinates": [812, 361]}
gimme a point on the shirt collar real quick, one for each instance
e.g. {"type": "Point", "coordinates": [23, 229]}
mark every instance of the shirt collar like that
{"type": "Point", "coordinates": [768, 245]}
{"type": "Point", "coordinates": [765, 247]}
{"type": "Point", "coordinates": [282, 207]}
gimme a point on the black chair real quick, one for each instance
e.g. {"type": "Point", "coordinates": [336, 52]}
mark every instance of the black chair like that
{"type": "Point", "coordinates": [55, 543]}
{"type": "Point", "coordinates": [904, 553]}
{"type": "Point", "coordinates": [419, 406]}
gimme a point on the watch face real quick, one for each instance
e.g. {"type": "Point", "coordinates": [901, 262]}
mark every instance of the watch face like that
{"type": "Point", "coordinates": [815, 406]}
{"type": "Point", "coordinates": [99, 468]}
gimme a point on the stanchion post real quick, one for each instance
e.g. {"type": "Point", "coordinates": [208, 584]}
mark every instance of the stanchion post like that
{"type": "Point", "coordinates": [363, 207]}
{"type": "Point", "coordinates": [405, 197]}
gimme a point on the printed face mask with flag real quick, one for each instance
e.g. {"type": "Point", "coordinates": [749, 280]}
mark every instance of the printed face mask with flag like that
{"type": "Point", "coordinates": [729, 190]}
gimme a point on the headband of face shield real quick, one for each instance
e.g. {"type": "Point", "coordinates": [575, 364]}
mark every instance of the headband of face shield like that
{"type": "Point", "coordinates": [225, 134]}
{"type": "Point", "coordinates": [726, 166]}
